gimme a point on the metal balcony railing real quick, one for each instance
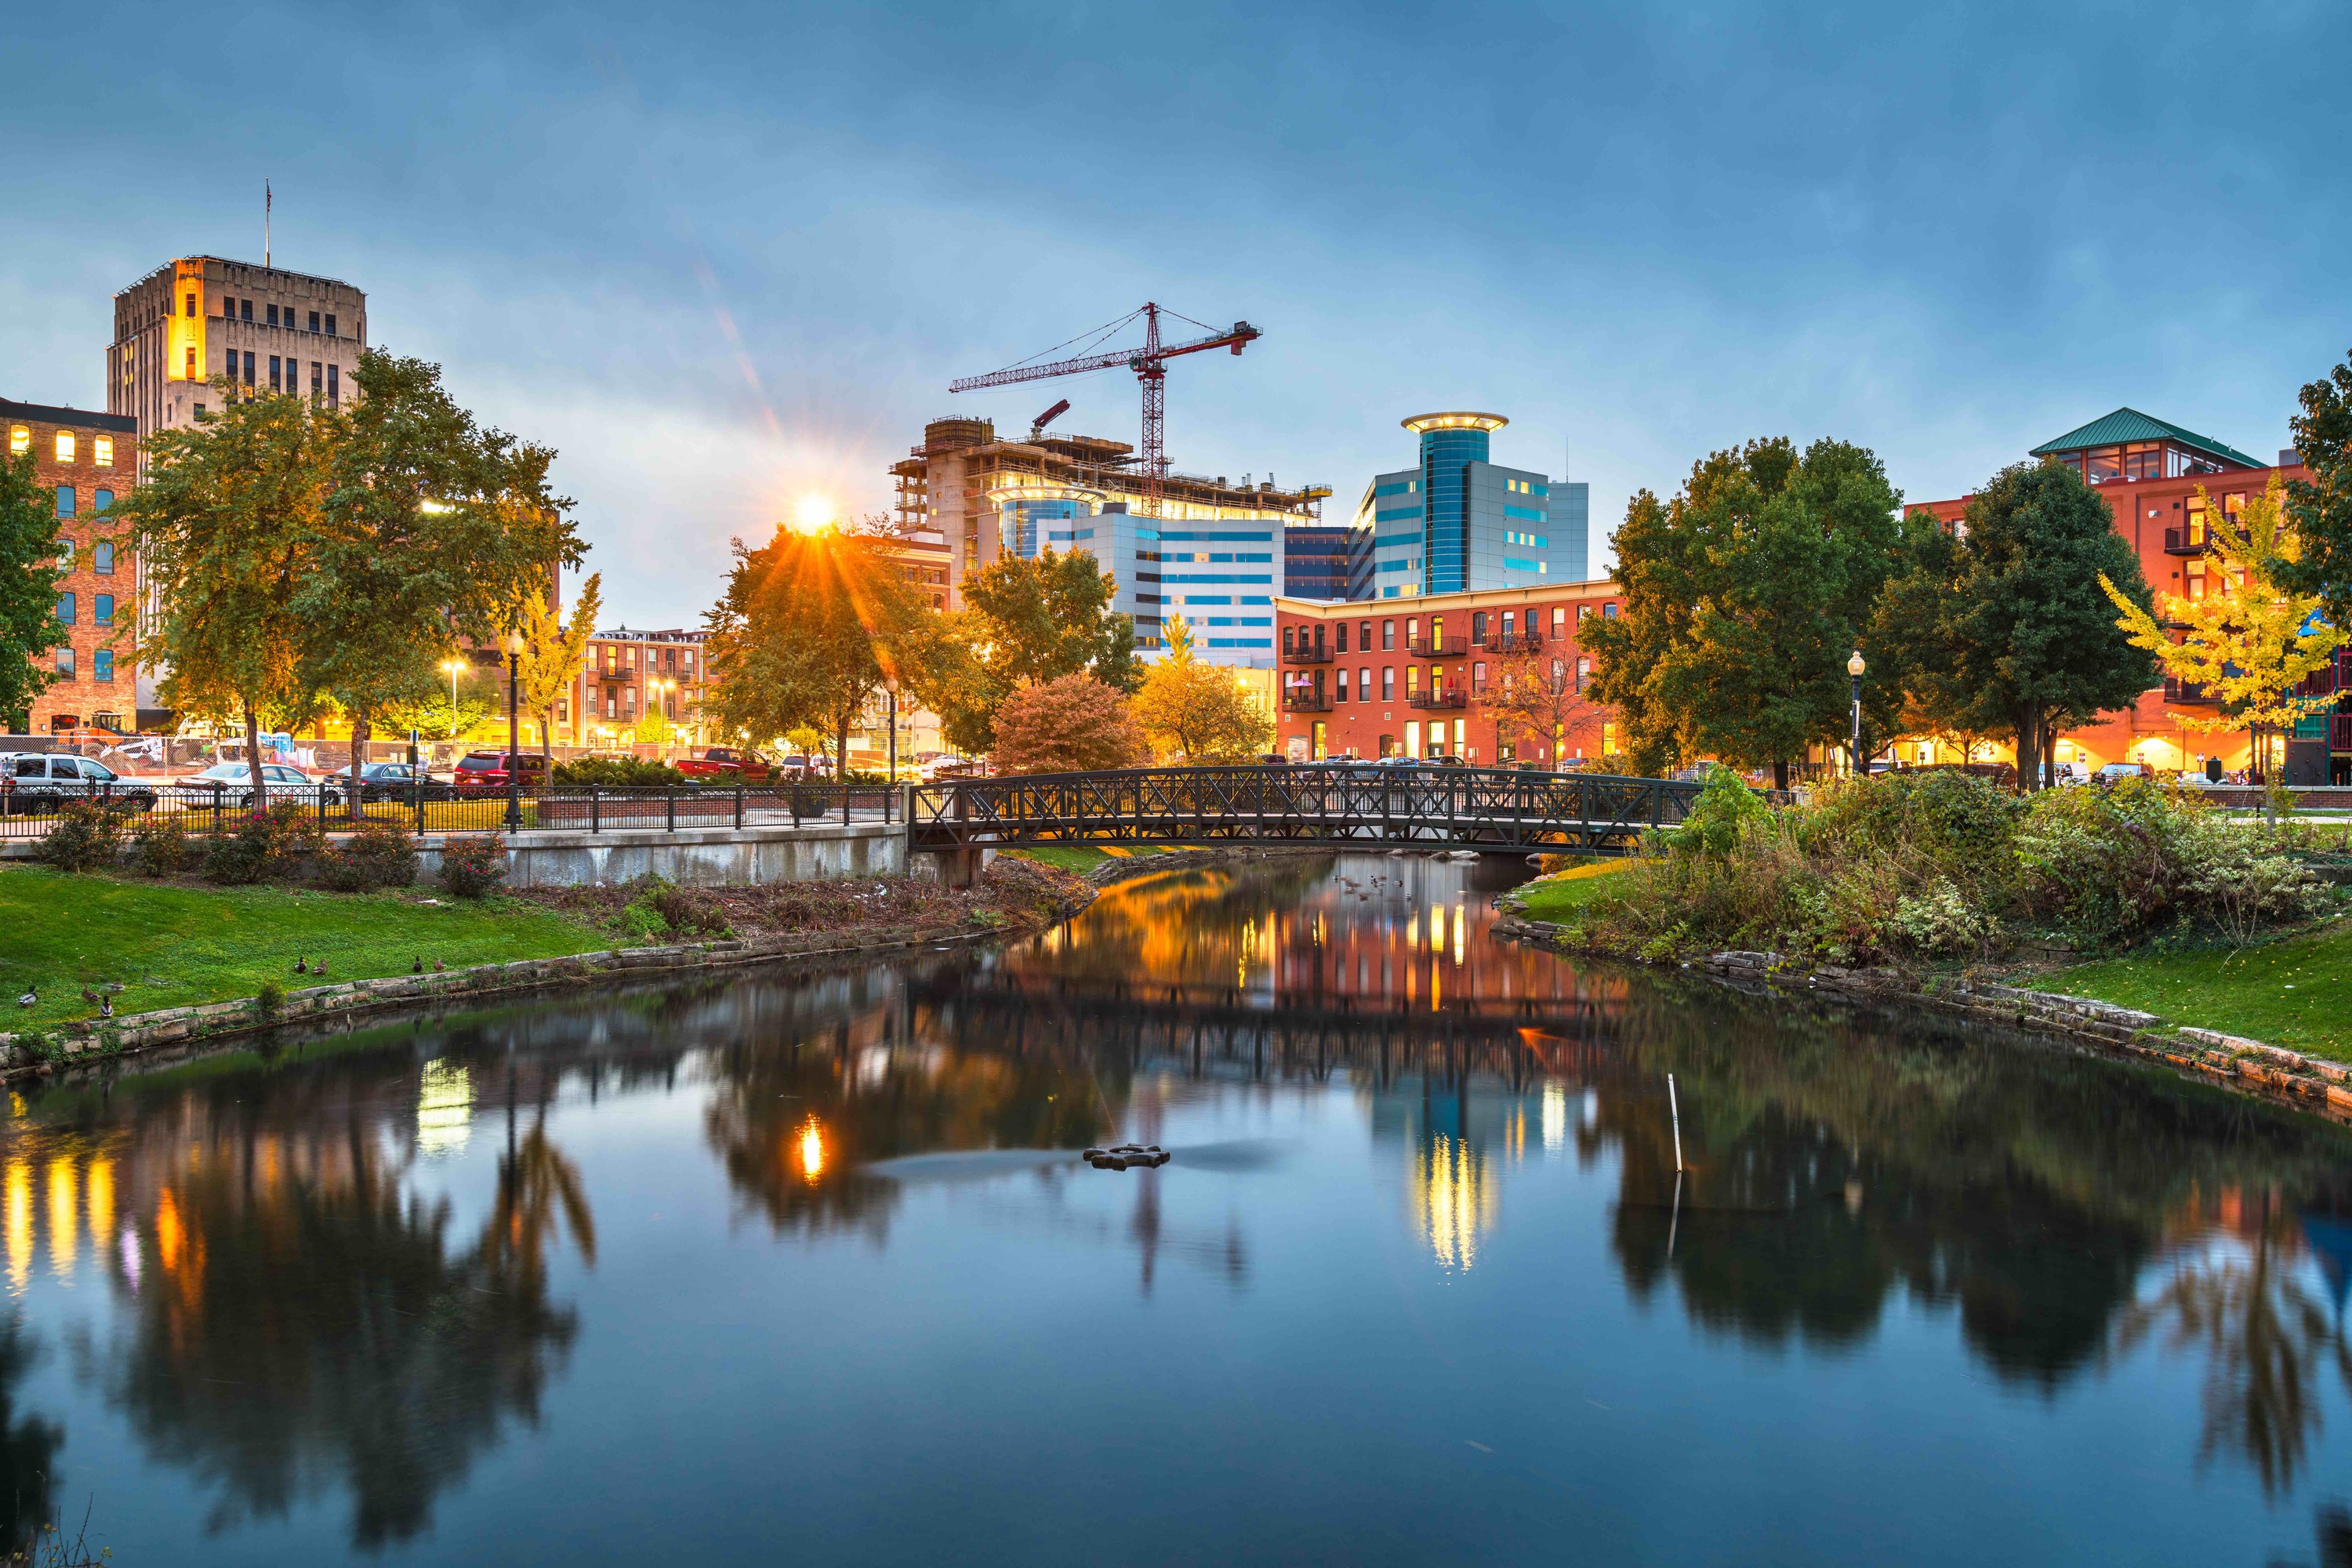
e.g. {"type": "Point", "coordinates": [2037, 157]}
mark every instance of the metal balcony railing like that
{"type": "Point", "coordinates": [2192, 540]}
{"type": "Point", "coordinates": [1305, 701]}
{"type": "Point", "coordinates": [2187, 693]}
{"type": "Point", "coordinates": [1309, 653]}
{"type": "Point", "coordinates": [1437, 647]}
{"type": "Point", "coordinates": [1454, 697]}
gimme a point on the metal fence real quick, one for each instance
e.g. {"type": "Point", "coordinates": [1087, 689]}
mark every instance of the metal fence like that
{"type": "Point", "coordinates": [30, 813]}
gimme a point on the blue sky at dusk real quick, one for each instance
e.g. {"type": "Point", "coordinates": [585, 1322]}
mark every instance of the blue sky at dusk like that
{"type": "Point", "coordinates": [722, 257]}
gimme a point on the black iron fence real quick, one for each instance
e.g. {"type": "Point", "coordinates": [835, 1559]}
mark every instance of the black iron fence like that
{"type": "Point", "coordinates": [28, 809]}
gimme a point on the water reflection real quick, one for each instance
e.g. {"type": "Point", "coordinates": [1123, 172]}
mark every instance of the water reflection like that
{"type": "Point", "coordinates": [340, 1272]}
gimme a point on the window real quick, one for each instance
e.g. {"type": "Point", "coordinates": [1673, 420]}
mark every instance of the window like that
{"type": "Point", "coordinates": [1511, 622]}
{"type": "Point", "coordinates": [1388, 683]}
{"type": "Point", "coordinates": [101, 609]}
{"type": "Point", "coordinates": [273, 321]}
{"type": "Point", "coordinates": [1388, 635]}
{"type": "Point", "coordinates": [65, 446]}
{"type": "Point", "coordinates": [190, 372]}
{"type": "Point", "coordinates": [1364, 637]}
{"type": "Point", "coordinates": [64, 500]}
{"type": "Point", "coordinates": [1412, 634]}
{"type": "Point", "coordinates": [318, 384]}
{"type": "Point", "coordinates": [65, 664]}
{"type": "Point", "coordinates": [1608, 612]}
{"type": "Point", "coordinates": [1339, 632]}
{"type": "Point", "coordinates": [273, 374]}
{"type": "Point", "coordinates": [65, 554]}
{"type": "Point", "coordinates": [314, 327]}
{"type": "Point", "coordinates": [1411, 681]}
{"type": "Point", "coordinates": [102, 501]}
{"type": "Point", "coordinates": [2104, 465]}
{"type": "Point", "coordinates": [245, 313]}
{"type": "Point", "coordinates": [65, 609]}
{"type": "Point", "coordinates": [1583, 672]}
{"type": "Point", "coordinates": [191, 309]}
{"type": "Point", "coordinates": [19, 439]}
{"type": "Point", "coordinates": [334, 393]}
{"type": "Point", "coordinates": [331, 323]}
{"type": "Point", "coordinates": [1289, 640]}
{"type": "Point", "coordinates": [102, 555]}
{"type": "Point", "coordinates": [1437, 634]}
{"type": "Point", "coordinates": [1559, 620]}
{"type": "Point", "coordinates": [2144, 460]}
{"type": "Point", "coordinates": [249, 367]}
{"type": "Point", "coordinates": [102, 452]}
{"type": "Point", "coordinates": [102, 664]}
{"type": "Point", "coordinates": [1341, 694]}
{"type": "Point", "coordinates": [1478, 674]}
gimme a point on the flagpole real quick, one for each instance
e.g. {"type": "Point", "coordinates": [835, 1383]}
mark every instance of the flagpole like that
{"type": "Point", "coordinates": [266, 200]}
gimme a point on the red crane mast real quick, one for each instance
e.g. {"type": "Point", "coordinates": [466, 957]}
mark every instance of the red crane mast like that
{"type": "Point", "coordinates": [1150, 365]}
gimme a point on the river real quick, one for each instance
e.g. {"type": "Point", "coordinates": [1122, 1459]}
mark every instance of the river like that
{"type": "Point", "coordinates": [1465, 1254]}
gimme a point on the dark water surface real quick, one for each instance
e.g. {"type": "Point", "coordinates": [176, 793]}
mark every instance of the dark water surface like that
{"type": "Point", "coordinates": [780, 1269]}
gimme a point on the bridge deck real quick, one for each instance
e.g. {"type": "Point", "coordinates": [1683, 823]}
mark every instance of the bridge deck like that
{"type": "Point", "coordinates": [1471, 808]}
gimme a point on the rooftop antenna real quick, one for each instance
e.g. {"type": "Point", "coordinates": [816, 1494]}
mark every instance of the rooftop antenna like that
{"type": "Point", "coordinates": [267, 199]}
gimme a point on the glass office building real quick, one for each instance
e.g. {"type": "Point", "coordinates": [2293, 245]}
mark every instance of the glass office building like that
{"type": "Point", "coordinates": [1327, 561]}
{"type": "Point", "coordinates": [1460, 522]}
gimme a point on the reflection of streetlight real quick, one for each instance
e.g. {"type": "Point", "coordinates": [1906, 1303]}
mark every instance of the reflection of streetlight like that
{"type": "Point", "coordinates": [1854, 667]}
{"type": "Point", "coordinates": [812, 1151]}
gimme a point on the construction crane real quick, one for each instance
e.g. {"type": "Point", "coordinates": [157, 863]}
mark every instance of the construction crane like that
{"type": "Point", "coordinates": [1150, 365]}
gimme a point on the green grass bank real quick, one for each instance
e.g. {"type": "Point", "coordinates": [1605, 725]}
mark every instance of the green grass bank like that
{"type": "Point", "coordinates": [170, 946]}
{"type": "Point", "coordinates": [2295, 991]}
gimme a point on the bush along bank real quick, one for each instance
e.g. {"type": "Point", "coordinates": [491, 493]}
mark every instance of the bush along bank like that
{"type": "Point", "coordinates": [656, 928]}
{"type": "Point", "coordinates": [1925, 887]}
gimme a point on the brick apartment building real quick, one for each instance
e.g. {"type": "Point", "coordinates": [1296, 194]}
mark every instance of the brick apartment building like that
{"type": "Point", "coordinates": [2148, 471]}
{"type": "Point", "coordinates": [1411, 676]}
{"type": "Point", "coordinates": [82, 458]}
{"type": "Point", "coordinates": [626, 675]}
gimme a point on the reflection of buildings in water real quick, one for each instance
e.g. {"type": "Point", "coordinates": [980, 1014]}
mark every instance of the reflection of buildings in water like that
{"type": "Point", "coordinates": [1458, 1136]}
{"type": "Point", "coordinates": [1454, 1200]}
{"type": "Point", "coordinates": [445, 1108]}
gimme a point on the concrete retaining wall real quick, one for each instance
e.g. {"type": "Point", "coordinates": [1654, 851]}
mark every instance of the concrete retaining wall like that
{"type": "Point", "coordinates": [696, 857]}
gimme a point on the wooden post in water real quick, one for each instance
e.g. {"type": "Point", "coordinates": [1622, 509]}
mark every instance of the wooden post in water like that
{"type": "Point", "coordinates": [1675, 1105]}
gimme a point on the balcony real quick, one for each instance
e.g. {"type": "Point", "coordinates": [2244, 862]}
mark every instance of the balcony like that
{"type": "Point", "coordinates": [2191, 541]}
{"type": "Point", "coordinates": [1515, 642]}
{"type": "Point", "coordinates": [2187, 693]}
{"type": "Point", "coordinates": [1306, 699]}
{"type": "Point", "coordinates": [1438, 647]}
{"type": "Point", "coordinates": [1455, 698]}
{"type": "Point", "coordinates": [1308, 653]}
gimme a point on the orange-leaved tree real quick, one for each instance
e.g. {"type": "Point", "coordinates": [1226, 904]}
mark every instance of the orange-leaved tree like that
{"type": "Point", "coordinates": [1072, 724]}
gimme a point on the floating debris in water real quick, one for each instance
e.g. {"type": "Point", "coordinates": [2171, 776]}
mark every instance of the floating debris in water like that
{"type": "Point", "coordinates": [1147, 1155]}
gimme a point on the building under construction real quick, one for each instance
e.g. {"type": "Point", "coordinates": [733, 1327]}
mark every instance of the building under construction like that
{"type": "Point", "coordinates": [1213, 553]}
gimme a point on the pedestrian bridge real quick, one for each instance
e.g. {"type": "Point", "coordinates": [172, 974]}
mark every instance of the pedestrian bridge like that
{"type": "Point", "coordinates": [1488, 809]}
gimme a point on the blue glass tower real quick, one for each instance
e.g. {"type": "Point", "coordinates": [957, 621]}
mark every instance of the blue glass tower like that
{"type": "Point", "coordinates": [1461, 522]}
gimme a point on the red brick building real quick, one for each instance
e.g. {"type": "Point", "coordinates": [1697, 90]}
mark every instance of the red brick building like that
{"type": "Point", "coordinates": [1418, 677]}
{"type": "Point", "coordinates": [82, 458]}
{"type": "Point", "coordinates": [2148, 471]}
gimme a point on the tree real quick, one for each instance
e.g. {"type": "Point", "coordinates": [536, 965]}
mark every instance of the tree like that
{"type": "Point", "coordinates": [1072, 723]}
{"type": "Point", "coordinates": [1025, 622]}
{"type": "Point", "coordinates": [29, 582]}
{"type": "Point", "coordinates": [433, 530]}
{"type": "Point", "coordinates": [552, 651]}
{"type": "Point", "coordinates": [2002, 624]}
{"type": "Point", "coordinates": [1537, 693]}
{"type": "Point", "coordinates": [224, 524]}
{"type": "Point", "coordinates": [1758, 582]}
{"type": "Point", "coordinates": [810, 628]}
{"type": "Point", "coordinates": [1199, 710]}
{"type": "Point", "coordinates": [2321, 506]}
{"type": "Point", "coordinates": [2251, 644]}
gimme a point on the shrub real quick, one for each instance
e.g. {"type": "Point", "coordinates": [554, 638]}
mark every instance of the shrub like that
{"type": "Point", "coordinates": [1725, 806]}
{"type": "Point", "coordinates": [1073, 724]}
{"type": "Point", "coordinates": [88, 836]}
{"type": "Point", "coordinates": [617, 773]}
{"type": "Point", "coordinates": [276, 843]}
{"type": "Point", "coordinates": [271, 999]}
{"type": "Point", "coordinates": [160, 846]}
{"type": "Point", "coordinates": [472, 865]}
{"type": "Point", "coordinates": [380, 855]}
{"type": "Point", "coordinates": [662, 907]}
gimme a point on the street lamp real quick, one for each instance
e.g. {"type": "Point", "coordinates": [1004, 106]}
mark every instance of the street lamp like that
{"type": "Point", "coordinates": [514, 732]}
{"type": "Point", "coordinates": [890, 685]}
{"type": "Point", "coordinates": [1854, 667]}
{"type": "Point", "coordinates": [455, 667]}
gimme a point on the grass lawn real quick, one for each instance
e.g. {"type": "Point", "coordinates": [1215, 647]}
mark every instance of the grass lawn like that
{"type": "Point", "coordinates": [170, 945]}
{"type": "Point", "coordinates": [1555, 897]}
{"type": "Point", "coordinates": [1079, 858]}
{"type": "Point", "coordinates": [2296, 993]}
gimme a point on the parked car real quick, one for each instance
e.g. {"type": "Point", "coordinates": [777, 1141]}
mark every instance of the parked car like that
{"type": "Point", "coordinates": [399, 781]}
{"type": "Point", "coordinates": [2110, 772]}
{"type": "Point", "coordinates": [728, 762]}
{"type": "Point", "coordinates": [484, 772]}
{"type": "Point", "coordinates": [36, 781]}
{"type": "Point", "coordinates": [234, 783]}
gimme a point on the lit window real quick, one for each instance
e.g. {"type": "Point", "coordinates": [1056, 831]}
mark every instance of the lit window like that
{"type": "Point", "coordinates": [65, 446]}
{"type": "Point", "coordinates": [102, 452]}
{"type": "Point", "coordinates": [190, 374]}
{"type": "Point", "coordinates": [18, 440]}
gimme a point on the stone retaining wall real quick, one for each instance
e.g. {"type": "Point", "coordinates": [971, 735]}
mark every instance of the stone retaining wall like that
{"type": "Point", "coordinates": [2236, 1061]}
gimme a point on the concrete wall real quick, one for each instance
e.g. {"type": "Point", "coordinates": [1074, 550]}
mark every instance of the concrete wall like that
{"type": "Point", "coordinates": [696, 857]}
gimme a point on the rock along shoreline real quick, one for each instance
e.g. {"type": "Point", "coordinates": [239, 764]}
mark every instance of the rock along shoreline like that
{"type": "Point", "coordinates": [2232, 1061]}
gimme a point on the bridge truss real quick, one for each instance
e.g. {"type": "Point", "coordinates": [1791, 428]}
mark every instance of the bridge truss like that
{"type": "Point", "coordinates": [1496, 809]}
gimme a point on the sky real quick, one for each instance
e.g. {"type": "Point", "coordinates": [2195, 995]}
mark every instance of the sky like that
{"type": "Point", "coordinates": [725, 257]}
